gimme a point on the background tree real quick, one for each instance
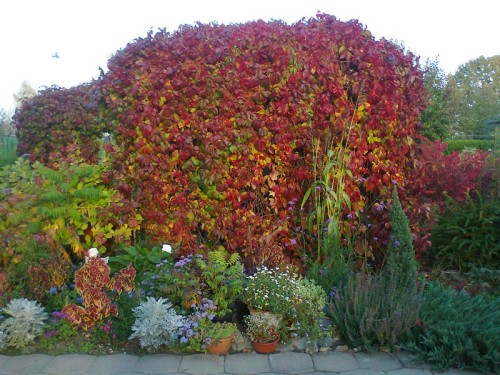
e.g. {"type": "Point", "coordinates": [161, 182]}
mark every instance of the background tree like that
{"type": "Point", "coordinates": [25, 91]}
{"type": "Point", "coordinates": [475, 93]}
{"type": "Point", "coordinates": [438, 116]}
{"type": "Point", "coordinates": [6, 126]}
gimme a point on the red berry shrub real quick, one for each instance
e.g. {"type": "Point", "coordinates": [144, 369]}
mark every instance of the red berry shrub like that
{"type": "Point", "coordinates": [60, 123]}
{"type": "Point", "coordinates": [214, 126]}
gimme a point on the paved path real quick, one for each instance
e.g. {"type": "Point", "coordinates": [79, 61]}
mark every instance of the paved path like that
{"type": "Point", "coordinates": [202, 364]}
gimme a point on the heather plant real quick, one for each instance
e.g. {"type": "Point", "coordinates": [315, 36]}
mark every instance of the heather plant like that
{"type": "Point", "coordinates": [457, 330]}
{"type": "Point", "coordinates": [372, 311]}
{"type": "Point", "coordinates": [93, 282]}
{"type": "Point", "coordinates": [466, 234]}
{"type": "Point", "coordinates": [376, 310]}
{"type": "Point", "coordinates": [26, 322]}
{"type": "Point", "coordinates": [156, 324]}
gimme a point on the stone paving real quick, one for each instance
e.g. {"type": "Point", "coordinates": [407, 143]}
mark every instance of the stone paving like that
{"type": "Point", "coordinates": [287, 363]}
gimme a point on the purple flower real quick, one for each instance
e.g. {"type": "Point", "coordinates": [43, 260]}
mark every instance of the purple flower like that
{"type": "Point", "coordinates": [50, 334]}
{"type": "Point", "coordinates": [184, 340]}
{"type": "Point", "coordinates": [349, 216]}
{"type": "Point", "coordinates": [380, 207]}
{"type": "Point", "coordinates": [293, 241]}
{"type": "Point", "coordinates": [396, 243]}
{"type": "Point", "coordinates": [53, 289]}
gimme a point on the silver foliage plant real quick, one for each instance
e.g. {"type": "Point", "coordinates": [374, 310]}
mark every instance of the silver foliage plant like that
{"type": "Point", "coordinates": [25, 323]}
{"type": "Point", "coordinates": [156, 323]}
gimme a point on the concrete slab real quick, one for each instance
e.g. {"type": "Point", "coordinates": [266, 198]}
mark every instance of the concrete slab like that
{"type": "Point", "coordinates": [363, 371]}
{"type": "Point", "coordinates": [378, 361]}
{"type": "Point", "coordinates": [334, 361]}
{"type": "Point", "coordinates": [246, 363]}
{"type": "Point", "coordinates": [410, 371]}
{"type": "Point", "coordinates": [113, 364]}
{"type": "Point", "coordinates": [407, 360]}
{"type": "Point", "coordinates": [455, 371]}
{"type": "Point", "coordinates": [69, 364]}
{"type": "Point", "coordinates": [291, 363]}
{"type": "Point", "coordinates": [158, 364]}
{"type": "Point", "coordinates": [31, 363]}
{"type": "Point", "coordinates": [202, 364]}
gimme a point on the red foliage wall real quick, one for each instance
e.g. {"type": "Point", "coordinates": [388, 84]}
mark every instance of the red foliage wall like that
{"type": "Point", "coordinates": [214, 125]}
{"type": "Point", "coordinates": [58, 123]}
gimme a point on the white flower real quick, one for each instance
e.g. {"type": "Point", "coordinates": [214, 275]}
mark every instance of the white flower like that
{"type": "Point", "coordinates": [166, 248]}
{"type": "Point", "coordinates": [93, 252]}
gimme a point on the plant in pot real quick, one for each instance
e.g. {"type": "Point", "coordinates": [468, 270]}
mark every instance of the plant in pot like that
{"type": "Point", "coordinates": [270, 291]}
{"type": "Point", "coordinates": [201, 333]}
{"type": "Point", "coordinates": [263, 333]}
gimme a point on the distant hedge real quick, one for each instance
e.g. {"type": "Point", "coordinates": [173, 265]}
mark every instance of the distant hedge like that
{"type": "Point", "coordinates": [460, 144]}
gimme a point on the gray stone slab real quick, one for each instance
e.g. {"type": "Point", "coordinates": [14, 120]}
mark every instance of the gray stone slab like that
{"type": "Point", "coordinates": [113, 364]}
{"type": "Point", "coordinates": [378, 361]}
{"type": "Point", "coordinates": [291, 363]}
{"type": "Point", "coordinates": [69, 364]}
{"type": "Point", "coordinates": [158, 364]}
{"type": "Point", "coordinates": [334, 361]}
{"type": "Point", "coordinates": [246, 363]}
{"type": "Point", "coordinates": [363, 371]}
{"type": "Point", "coordinates": [22, 364]}
{"type": "Point", "coordinates": [455, 371]}
{"type": "Point", "coordinates": [410, 371]}
{"type": "Point", "coordinates": [202, 364]}
{"type": "Point", "coordinates": [407, 360]}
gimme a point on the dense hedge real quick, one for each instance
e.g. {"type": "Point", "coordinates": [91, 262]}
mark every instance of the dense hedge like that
{"type": "Point", "coordinates": [214, 126]}
{"type": "Point", "coordinates": [461, 144]}
{"type": "Point", "coordinates": [58, 123]}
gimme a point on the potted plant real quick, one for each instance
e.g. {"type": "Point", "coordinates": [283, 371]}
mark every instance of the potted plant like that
{"type": "Point", "coordinates": [220, 337]}
{"type": "Point", "coordinates": [263, 333]}
{"type": "Point", "coordinates": [270, 290]}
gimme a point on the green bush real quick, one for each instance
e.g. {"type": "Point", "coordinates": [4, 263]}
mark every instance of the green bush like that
{"type": "Point", "coordinates": [375, 311]}
{"type": "Point", "coordinates": [467, 234]}
{"type": "Point", "coordinates": [8, 150]}
{"type": "Point", "coordinates": [457, 330]}
{"type": "Point", "coordinates": [463, 144]}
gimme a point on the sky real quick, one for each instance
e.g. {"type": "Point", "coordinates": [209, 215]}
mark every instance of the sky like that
{"type": "Point", "coordinates": [86, 33]}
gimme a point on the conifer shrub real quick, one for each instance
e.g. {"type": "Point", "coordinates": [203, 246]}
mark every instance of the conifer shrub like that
{"type": "Point", "coordinates": [214, 126]}
{"type": "Point", "coordinates": [457, 330]}
{"type": "Point", "coordinates": [376, 310]}
{"type": "Point", "coordinates": [467, 234]}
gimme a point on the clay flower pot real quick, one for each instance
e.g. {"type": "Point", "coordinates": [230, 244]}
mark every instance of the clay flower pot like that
{"type": "Point", "coordinates": [220, 346]}
{"type": "Point", "coordinates": [265, 347]}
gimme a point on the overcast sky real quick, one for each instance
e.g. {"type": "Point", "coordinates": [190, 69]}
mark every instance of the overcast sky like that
{"type": "Point", "coordinates": [85, 33]}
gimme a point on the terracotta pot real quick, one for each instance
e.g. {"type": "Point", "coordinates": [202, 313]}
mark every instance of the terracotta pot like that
{"type": "Point", "coordinates": [265, 347]}
{"type": "Point", "coordinates": [220, 346]}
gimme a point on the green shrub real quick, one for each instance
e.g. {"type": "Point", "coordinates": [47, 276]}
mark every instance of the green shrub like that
{"type": "Point", "coordinates": [8, 150]}
{"type": "Point", "coordinates": [375, 311]}
{"type": "Point", "coordinates": [457, 330]}
{"type": "Point", "coordinates": [463, 144]}
{"type": "Point", "coordinates": [467, 234]}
